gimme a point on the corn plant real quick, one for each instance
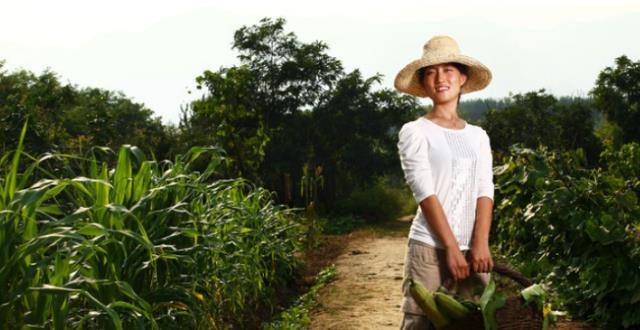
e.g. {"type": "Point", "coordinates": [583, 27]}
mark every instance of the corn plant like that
{"type": "Point", "coordinates": [142, 244]}
{"type": "Point", "coordinates": [310, 182]}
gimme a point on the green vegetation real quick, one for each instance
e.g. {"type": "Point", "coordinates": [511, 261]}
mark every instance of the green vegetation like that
{"type": "Point", "coordinates": [574, 227]}
{"type": "Point", "coordinates": [201, 236]}
{"type": "Point", "coordinates": [617, 96]}
{"type": "Point", "coordinates": [378, 202]}
{"type": "Point", "coordinates": [566, 214]}
{"type": "Point", "coordinates": [144, 244]}
{"type": "Point", "coordinates": [68, 119]}
{"type": "Point", "coordinates": [474, 109]}
{"type": "Point", "coordinates": [537, 118]}
{"type": "Point", "coordinates": [297, 316]}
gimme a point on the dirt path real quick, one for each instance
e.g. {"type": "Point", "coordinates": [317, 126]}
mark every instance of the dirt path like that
{"type": "Point", "coordinates": [367, 291]}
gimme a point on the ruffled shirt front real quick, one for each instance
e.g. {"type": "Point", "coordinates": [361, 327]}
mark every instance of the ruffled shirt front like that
{"type": "Point", "coordinates": [456, 165]}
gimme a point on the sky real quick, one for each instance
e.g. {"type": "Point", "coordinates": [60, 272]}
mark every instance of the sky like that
{"type": "Point", "coordinates": [152, 51]}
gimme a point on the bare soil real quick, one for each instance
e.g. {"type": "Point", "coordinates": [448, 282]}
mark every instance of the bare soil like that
{"type": "Point", "coordinates": [367, 292]}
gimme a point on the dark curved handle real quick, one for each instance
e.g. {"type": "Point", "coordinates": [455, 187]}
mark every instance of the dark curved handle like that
{"type": "Point", "coordinates": [512, 273]}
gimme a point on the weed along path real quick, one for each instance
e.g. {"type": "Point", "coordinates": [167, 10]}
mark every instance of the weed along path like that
{"type": "Point", "coordinates": [366, 293]}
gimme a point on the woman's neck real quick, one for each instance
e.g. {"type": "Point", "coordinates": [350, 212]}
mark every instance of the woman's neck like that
{"type": "Point", "coordinates": [447, 111]}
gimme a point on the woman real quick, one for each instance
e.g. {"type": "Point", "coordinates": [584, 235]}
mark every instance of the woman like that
{"type": "Point", "coordinates": [447, 163]}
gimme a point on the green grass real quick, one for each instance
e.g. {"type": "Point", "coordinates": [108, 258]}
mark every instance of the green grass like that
{"type": "Point", "coordinates": [297, 316]}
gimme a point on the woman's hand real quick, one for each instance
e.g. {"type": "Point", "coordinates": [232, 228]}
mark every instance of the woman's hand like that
{"type": "Point", "coordinates": [458, 266]}
{"type": "Point", "coordinates": [480, 256]}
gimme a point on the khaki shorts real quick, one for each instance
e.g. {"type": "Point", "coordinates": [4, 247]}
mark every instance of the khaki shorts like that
{"type": "Point", "coordinates": [428, 265]}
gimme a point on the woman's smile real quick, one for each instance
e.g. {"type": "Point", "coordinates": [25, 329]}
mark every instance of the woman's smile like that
{"type": "Point", "coordinates": [442, 89]}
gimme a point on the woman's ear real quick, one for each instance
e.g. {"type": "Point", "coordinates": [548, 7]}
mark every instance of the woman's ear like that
{"type": "Point", "coordinates": [463, 79]}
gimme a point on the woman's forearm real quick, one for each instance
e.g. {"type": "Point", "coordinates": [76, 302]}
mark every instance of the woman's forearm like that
{"type": "Point", "coordinates": [434, 214]}
{"type": "Point", "coordinates": [484, 213]}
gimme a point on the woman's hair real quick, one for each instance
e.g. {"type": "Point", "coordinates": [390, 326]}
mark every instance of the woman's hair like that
{"type": "Point", "coordinates": [461, 67]}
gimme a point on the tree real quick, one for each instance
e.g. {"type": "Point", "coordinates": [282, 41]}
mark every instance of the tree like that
{"type": "Point", "coordinates": [231, 117]}
{"type": "Point", "coordinates": [290, 75]}
{"type": "Point", "coordinates": [355, 133]}
{"type": "Point", "coordinates": [537, 118]}
{"type": "Point", "coordinates": [252, 110]}
{"type": "Point", "coordinates": [288, 105]}
{"type": "Point", "coordinates": [65, 118]}
{"type": "Point", "coordinates": [24, 95]}
{"type": "Point", "coordinates": [617, 96]}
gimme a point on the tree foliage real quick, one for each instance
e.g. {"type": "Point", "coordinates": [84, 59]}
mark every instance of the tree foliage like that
{"type": "Point", "coordinates": [617, 95]}
{"type": "Point", "coordinates": [288, 103]}
{"type": "Point", "coordinates": [66, 118]}
{"type": "Point", "coordinates": [538, 118]}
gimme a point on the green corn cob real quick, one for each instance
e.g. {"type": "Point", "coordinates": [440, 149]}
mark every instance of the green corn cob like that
{"type": "Point", "coordinates": [450, 307]}
{"type": "Point", "coordinates": [425, 300]}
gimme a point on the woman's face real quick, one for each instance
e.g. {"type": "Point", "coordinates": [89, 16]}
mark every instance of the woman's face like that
{"type": "Point", "coordinates": [443, 82]}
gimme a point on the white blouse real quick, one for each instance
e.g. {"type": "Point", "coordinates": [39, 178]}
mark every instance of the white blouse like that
{"type": "Point", "coordinates": [454, 164]}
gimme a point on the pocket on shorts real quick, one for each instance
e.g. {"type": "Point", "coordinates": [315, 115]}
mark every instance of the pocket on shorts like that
{"type": "Point", "coordinates": [423, 254]}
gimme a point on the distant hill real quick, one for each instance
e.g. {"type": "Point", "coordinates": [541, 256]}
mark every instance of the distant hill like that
{"type": "Point", "coordinates": [474, 109]}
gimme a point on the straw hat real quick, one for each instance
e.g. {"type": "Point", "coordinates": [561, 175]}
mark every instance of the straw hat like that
{"type": "Point", "coordinates": [441, 49]}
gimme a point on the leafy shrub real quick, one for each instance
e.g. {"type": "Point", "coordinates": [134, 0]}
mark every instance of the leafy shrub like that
{"type": "Point", "coordinates": [577, 229]}
{"type": "Point", "coordinates": [339, 224]}
{"type": "Point", "coordinates": [377, 202]}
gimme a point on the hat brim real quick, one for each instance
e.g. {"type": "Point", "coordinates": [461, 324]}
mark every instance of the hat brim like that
{"type": "Point", "coordinates": [407, 80]}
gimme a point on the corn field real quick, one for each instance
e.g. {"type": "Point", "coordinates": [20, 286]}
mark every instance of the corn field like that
{"type": "Point", "coordinates": [143, 244]}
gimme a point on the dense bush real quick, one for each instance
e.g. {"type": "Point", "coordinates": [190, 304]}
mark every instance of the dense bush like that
{"type": "Point", "coordinates": [143, 245]}
{"type": "Point", "coordinates": [377, 202]}
{"type": "Point", "coordinates": [576, 228]}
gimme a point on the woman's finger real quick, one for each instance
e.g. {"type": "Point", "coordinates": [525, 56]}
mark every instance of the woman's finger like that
{"type": "Point", "coordinates": [477, 264]}
{"type": "Point", "coordinates": [460, 271]}
{"type": "Point", "coordinates": [464, 270]}
{"type": "Point", "coordinates": [454, 273]}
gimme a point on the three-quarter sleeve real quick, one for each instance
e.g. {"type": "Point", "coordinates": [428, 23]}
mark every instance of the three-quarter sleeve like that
{"type": "Point", "coordinates": [413, 149]}
{"type": "Point", "coordinates": [485, 175]}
